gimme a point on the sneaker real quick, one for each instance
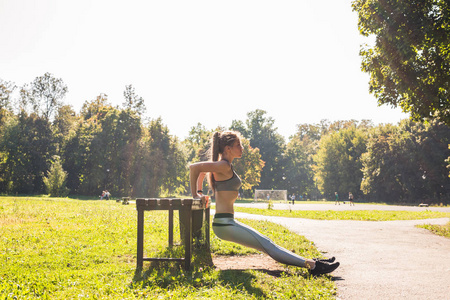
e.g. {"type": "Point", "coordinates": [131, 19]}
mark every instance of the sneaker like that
{"type": "Point", "coordinates": [323, 268]}
{"type": "Point", "coordinates": [328, 260]}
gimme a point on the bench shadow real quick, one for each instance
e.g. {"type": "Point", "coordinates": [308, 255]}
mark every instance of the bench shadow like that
{"type": "Point", "coordinates": [201, 258]}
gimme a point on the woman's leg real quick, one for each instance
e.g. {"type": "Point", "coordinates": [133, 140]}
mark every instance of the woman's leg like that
{"type": "Point", "coordinates": [226, 228]}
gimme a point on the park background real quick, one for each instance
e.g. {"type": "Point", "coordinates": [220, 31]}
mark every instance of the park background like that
{"type": "Point", "coordinates": [73, 121]}
{"type": "Point", "coordinates": [115, 148]}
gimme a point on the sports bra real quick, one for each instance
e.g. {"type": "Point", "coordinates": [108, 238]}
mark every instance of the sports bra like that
{"type": "Point", "coordinates": [232, 184]}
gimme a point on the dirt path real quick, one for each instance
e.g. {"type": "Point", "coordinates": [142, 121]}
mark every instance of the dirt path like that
{"type": "Point", "coordinates": [379, 260]}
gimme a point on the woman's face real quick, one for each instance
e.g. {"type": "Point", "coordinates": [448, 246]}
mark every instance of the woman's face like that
{"type": "Point", "coordinates": [236, 149]}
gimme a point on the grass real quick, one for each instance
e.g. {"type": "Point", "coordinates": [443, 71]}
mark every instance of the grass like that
{"type": "Point", "coordinates": [81, 249]}
{"type": "Point", "coordinates": [443, 230]}
{"type": "Point", "coordinates": [358, 215]}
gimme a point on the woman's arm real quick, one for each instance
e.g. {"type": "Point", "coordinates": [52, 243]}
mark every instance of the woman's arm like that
{"type": "Point", "coordinates": [200, 179]}
{"type": "Point", "coordinates": [198, 171]}
{"type": "Point", "coordinates": [193, 178]}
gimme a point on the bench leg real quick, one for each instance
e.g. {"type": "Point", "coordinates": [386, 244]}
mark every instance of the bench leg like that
{"type": "Point", "coordinates": [170, 227]}
{"type": "Point", "coordinates": [187, 238]}
{"type": "Point", "coordinates": [207, 228]}
{"type": "Point", "coordinates": [140, 239]}
{"type": "Point", "coordinates": [197, 223]}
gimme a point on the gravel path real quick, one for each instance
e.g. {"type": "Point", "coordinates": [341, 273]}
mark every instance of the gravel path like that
{"type": "Point", "coordinates": [379, 260]}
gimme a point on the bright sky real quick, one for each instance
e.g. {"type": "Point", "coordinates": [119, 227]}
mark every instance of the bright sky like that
{"type": "Point", "coordinates": [197, 61]}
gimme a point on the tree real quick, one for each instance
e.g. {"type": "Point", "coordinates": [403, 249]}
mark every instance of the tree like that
{"type": "Point", "coordinates": [387, 164]}
{"type": "Point", "coordinates": [119, 139]}
{"type": "Point", "coordinates": [448, 162]}
{"type": "Point", "coordinates": [64, 126]}
{"type": "Point", "coordinates": [299, 160]}
{"type": "Point", "coordinates": [95, 108]}
{"type": "Point", "coordinates": [78, 157]}
{"type": "Point", "coordinates": [103, 150]}
{"type": "Point", "coordinates": [27, 146]}
{"type": "Point", "coordinates": [55, 181]}
{"type": "Point", "coordinates": [45, 95]}
{"type": "Point", "coordinates": [84, 156]}
{"type": "Point", "coordinates": [338, 161]}
{"type": "Point", "coordinates": [249, 166]}
{"type": "Point", "coordinates": [162, 165]}
{"type": "Point", "coordinates": [433, 139]}
{"type": "Point", "coordinates": [6, 89]}
{"type": "Point", "coordinates": [197, 143]}
{"type": "Point", "coordinates": [409, 64]}
{"type": "Point", "coordinates": [133, 101]}
{"type": "Point", "coordinates": [392, 169]}
{"type": "Point", "coordinates": [262, 134]}
{"type": "Point", "coordinates": [407, 162]}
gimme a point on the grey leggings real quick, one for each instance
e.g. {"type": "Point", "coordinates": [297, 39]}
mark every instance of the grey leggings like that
{"type": "Point", "coordinates": [227, 228]}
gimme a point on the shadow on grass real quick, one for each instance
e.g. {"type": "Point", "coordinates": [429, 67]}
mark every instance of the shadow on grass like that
{"type": "Point", "coordinates": [273, 273]}
{"type": "Point", "coordinates": [244, 279]}
{"type": "Point", "coordinates": [201, 259]}
{"type": "Point", "coordinates": [203, 273]}
{"type": "Point", "coordinates": [337, 278]}
{"type": "Point", "coordinates": [241, 280]}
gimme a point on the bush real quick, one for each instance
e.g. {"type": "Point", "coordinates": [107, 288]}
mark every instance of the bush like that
{"type": "Point", "coordinates": [55, 182]}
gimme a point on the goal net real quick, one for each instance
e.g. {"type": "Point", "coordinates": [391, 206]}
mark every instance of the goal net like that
{"type": "Point", "coordinates": [266, 195]}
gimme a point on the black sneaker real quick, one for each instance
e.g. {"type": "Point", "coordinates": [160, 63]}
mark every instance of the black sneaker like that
{"type": "Point", "coordinates": [323, 268]}
{"type": "Point", "coordinates": [328, 260]}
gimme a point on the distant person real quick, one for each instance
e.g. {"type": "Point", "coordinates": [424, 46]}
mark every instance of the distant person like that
{"type": "Point", "coordinates": [337, 198]}
{"type": "Point", "coordinates": [107, 195]}
{"type": "Point", "coordinates": [350, 199]}
{"type": "Point", "coordinates": [293, 198]}
{"type": "Point", "coordinates": [224, 181]}
{"type": "Point", "coordinates": [102, 195]}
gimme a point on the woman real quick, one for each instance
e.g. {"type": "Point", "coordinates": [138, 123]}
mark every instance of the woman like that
{"type": "Point", "coordinates": [225, 147]}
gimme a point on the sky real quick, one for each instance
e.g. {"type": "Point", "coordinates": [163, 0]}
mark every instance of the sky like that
{"type": "Point", "coordinates": [207, 62]}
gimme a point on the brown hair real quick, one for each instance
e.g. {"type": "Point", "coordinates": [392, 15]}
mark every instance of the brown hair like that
{"type": "Point", "coordinates": [219, 141]}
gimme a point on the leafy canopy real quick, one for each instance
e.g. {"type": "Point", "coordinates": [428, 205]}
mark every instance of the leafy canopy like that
{"type": "Point", "coordinates": [409, 62]}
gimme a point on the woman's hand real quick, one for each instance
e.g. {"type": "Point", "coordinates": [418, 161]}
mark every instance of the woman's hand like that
{"type": "Point", "coordinates": [205, 200]}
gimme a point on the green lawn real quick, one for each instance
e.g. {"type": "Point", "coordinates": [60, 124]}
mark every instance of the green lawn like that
{"type": "Point", "coordinates": [75, 249]}
{"type": "Point", "coordinates": [84, 249]}
{"type": "Point", "coordinates": [443, 230]}
{"type": "Point", "coordinates": [359, 215]}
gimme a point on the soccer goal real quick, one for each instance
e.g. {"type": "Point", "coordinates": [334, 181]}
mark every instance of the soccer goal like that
{"type": "Point", "coordinates": [274, 195]}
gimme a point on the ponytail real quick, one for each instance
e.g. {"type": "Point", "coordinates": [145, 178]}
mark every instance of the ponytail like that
{"type": "Point", "coordinates": [215, 146]}
{"type": "Point", "coordinates": [214, 157]}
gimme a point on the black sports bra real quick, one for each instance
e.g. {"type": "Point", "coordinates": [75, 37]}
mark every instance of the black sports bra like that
{"type": "Point", "coordinates": [232, 184]}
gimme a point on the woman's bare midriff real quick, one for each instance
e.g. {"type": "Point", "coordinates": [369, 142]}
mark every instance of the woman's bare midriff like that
{"type": "Point", "coordinates": [225, 201]}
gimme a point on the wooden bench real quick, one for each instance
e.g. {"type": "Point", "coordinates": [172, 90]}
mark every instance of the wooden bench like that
{"type": "Point", "coordinates": [125, 200]}
{"type": "Point", "coordinates": [186, 207]}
